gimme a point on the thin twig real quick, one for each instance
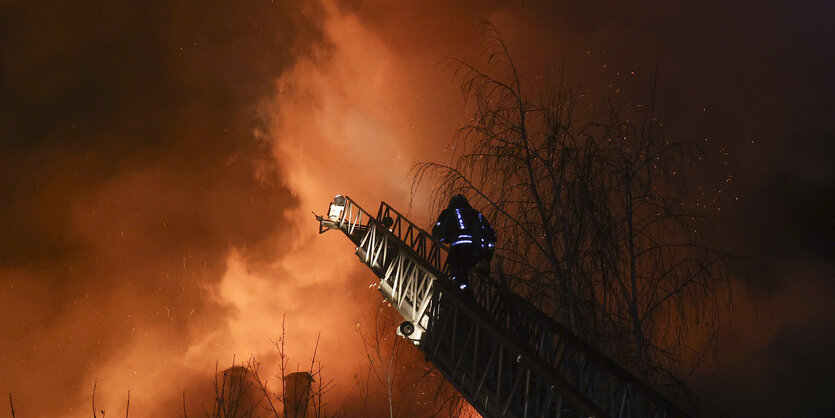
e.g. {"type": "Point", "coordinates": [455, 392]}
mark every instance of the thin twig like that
{"type": "Point", "coordinates": [315, 349]}
{"type": "Point", "coordinates": [262, 384]}
{"type": "Point", "coordinates": [11, 403]}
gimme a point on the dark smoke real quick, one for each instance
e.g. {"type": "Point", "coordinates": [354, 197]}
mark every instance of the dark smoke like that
{"type": "Point", "coordinates": [752, 78]}
{"type": "Point", "coordinates": [130, 167]}
{"type": "Point", "coordinates": [138, 158]}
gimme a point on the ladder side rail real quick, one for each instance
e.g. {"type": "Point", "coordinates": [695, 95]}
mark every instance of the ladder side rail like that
{"type": "Point", "coordinates": [507, 381]}
{"type": "Point", "coordinates": [405, 281]}
{"type": "Point", "coordinates": [419, 240]}
{"type": "Point", "coordinates": [392, 285]}
{"type": "Point", "coordinates": [417, 288]}
{"type": "Point", "coordinates": [408, 286]}
{"type": "Point", "coordinates": [582, 364]}
{"type": "Point", "coordinates": [577, 361]}
{"type": "Point", "coordinates": [577, 365]}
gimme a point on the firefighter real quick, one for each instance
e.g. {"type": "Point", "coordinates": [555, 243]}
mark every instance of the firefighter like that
{"type": "Point", "coordinates": [470, 237]}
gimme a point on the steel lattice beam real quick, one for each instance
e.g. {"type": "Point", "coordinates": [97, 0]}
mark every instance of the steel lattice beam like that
{"type": "Point", "coordinates": [504, 356]}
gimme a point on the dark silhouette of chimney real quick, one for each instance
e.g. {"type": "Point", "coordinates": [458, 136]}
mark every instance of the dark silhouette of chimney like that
{"type": "Point", "coordinates": [239, 395]}
{"type": "Point", "coordinates": [297, 393]}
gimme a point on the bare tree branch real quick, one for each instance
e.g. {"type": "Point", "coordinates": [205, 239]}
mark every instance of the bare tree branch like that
{"type": "Point", "coordinates": [601, 214]}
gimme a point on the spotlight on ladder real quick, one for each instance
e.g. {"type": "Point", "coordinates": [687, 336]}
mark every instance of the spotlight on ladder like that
{"type": "Point", "coordinates": [335, 209]}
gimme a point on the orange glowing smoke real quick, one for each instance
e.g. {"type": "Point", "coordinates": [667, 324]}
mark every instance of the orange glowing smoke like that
{"type": "Point", "coordinates": [192, 251]}
{"type": "Point", "coordinates": [164, 160]}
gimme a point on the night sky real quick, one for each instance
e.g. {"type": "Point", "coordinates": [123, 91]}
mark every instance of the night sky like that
{"type": "Point", "coordinates": [159, 163]}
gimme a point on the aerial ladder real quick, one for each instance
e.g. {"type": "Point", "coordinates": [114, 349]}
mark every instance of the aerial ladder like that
{"type": "Point", "coordinates": [506, 357]}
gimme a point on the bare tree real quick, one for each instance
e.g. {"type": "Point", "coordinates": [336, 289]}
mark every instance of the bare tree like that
{"type": "Point", "coordinates": [383, 351]}
{"type": "Point", "coordinates": [671, 280]}
{"type": "Point", "coordinates": [398, 376]}
{"type": "Point", "coordinates": [242, 392]}
{"type": "Point", "coordinates": [600, 214]}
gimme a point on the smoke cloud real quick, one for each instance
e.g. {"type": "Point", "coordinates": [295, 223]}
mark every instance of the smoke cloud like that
{"type": "Point", "coordinates": [160, 162]}
{"type": "Point", "coordinates": [134, 185]}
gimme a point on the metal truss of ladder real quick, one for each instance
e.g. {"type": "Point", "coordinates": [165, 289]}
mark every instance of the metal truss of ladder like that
{"type": "Point", "coordinates": [503, 355]}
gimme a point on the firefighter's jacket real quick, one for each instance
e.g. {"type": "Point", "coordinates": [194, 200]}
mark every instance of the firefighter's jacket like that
{"type": "Point", "coordinates": [465, 227]}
